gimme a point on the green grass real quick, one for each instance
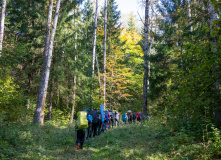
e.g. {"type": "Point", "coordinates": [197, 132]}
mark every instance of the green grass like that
{"type": "Point", "coordinates": [151, 140]}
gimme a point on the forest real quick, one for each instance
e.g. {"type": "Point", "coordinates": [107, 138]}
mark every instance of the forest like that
{"type": "Point", "coordinates": [58, 57]}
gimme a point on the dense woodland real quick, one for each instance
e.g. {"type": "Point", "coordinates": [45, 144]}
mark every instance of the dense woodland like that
{"type": "Point", "coordinates": [169, 70]}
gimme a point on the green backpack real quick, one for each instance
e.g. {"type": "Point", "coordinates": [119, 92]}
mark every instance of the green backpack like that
{"type": "Point", "coordinates": [82, 122]}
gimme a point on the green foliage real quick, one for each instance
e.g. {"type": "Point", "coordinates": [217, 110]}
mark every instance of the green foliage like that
{"type": "Point", "coordinates": [11, 100]}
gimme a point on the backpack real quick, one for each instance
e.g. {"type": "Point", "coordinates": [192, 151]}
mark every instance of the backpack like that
{"type": "Point", "coordinates": [102, 113]}
{"type": "Point", "coordinates": [95, 116]}
{"type": "Point", "coordinates": [82, 122]}
{"type": "Point", "coordinates": [89, 118]}
{"type": "Point", "coordinates": [111, 113]}
{"type": "Point", "coordinates": [134, 116]}
{"type": "Point", "coordinates": [138, 116]}
{"type": "Point", "coordinates": [124, 117]}
{"type": "Point", "coordinates": [106, 118]}
{"type": "Point", "coordinates": [128, 113]}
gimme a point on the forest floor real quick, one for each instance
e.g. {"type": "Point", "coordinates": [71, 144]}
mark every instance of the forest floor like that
{"type": "Point", "coordinates": [151, 140]}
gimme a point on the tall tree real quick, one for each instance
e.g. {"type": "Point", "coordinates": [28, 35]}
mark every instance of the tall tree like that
{"type": "Point", "coordinates": [94, 40]}
{"type": "Point", "coordinates": [39, 113]}
{"type": "Point", "coordinates": [2, 25]}
{"type": "Point", "coordinates": [213, 16]}
{"type": "Point", "coordinates": [145, 58]}
{"type": "Point", "coordinates": [104, 49]}
{"type": "Point", "coordinates": [75, 79]}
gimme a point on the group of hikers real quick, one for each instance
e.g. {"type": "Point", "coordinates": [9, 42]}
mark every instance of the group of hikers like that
{"type": "Point", "coordinates": [93, 123]}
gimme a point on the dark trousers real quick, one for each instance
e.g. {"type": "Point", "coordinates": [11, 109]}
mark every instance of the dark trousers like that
{"type": "Point", "coordinates": [99, 127]}
{"type": "Point", "coordinates": [80, 137]}
{"type": "Point", "coordinates": [94, 129]}
{"type": "Point", "coordinates": [112, 122]}
{"type": "Point", "coordinates": [88, 132]}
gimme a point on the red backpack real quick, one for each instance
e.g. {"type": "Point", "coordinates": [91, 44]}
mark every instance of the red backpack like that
{"type": "Point", "coordinates": [138, 116]}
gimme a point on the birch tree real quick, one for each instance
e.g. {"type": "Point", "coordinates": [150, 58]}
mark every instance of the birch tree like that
{"type": "Point", "coordinates": [94, 46]}
{"type": "Point", "coordinates": [145, 85]}
{"type": "Point", "coordinates": [2, 24]}
{"type": "Point", "coordinates": [94, 41]}
{"type": "Point", "coordinates": [104, 49]}
{"type": "Point", "coordinates": [39, 112]}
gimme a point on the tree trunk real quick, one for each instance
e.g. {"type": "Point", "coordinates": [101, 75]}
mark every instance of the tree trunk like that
{"type": "Point", "coordinates": [189, 18]}
{"type": "Point", "coordinates": [112, 75]}
{"type": "Point", "coordinates": [94, 49]}
{"type": "Point", "coordinates": [104, 49]}
{"type": "Point", "coordinates": [51, 100]}
{"type": "Point", "coordinates": [148, 81]}
{"type": "Point", "coordinates": [98, 72]}
{"type": "Point", "coordinates": [94, 41]}
{"type": "Point", "coordinates": [75, 80]}
{"type": "Point", "coordinates": [214, 47]}
{"type": "Point", "coordinates": [145, 59]}
{"type": "Point", "coordinates": [2, 25]}
{"type": "Point", "coordinates": [74, 98]}
{"type": "Point", "coordinates": [39, 113]}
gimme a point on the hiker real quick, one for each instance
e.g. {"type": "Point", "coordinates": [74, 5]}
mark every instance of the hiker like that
{"type": "Point", "coordinates": [134, 117]}
{"type": "Point", "coordinates": [117, 118]}
{"type": "Point", "coordinates": [106, 119]}
{"type": "Point", "coordinates": [102, 119]}
{"type": "Point", "coordinates": [89, 130]}
{"type": "Point", "coordinates": [129, 116]}
{"type": "Point", "coordinates": [99, 122]}
{"type": "Point", "coordinates": [111, 118]}
{"type": "Point", "coordinates": [124, 118]}
{"type": "Point", "coordinates": [138, 116]}
{"type": "Point", "coordinates": [89, 118]}
{"type": "Point", "coordinates": [80, 125]}
{"type": "Point", "coordinates": [95, 116]}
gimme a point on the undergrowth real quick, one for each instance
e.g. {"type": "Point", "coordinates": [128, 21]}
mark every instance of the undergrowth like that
{"type": "Point", "coordinates": [151, 140]}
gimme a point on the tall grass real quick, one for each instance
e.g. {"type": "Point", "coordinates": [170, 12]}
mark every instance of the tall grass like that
{"type": "Point", "coordinates": [151, 140]}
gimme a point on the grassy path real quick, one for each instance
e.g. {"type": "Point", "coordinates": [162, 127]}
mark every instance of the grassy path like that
{"type": "Point", "coordinates": [137, 141]}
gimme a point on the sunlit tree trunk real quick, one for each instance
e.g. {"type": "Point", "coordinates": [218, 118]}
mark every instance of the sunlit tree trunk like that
{"type": "Point", "coordinates": [2, 25]}
{"type": "Point", "coordinates": [145, 87]}
{"type": "Point", "coordinates": [189, 18]}
{"type": "Point", "coordinates": [104, 50]}
{"type": "Point", "coordinates": [39, 112]}
{"type": "Point", "coordinates": [94, 49]}
{"type": "Point", "coordinates": [94, 40]}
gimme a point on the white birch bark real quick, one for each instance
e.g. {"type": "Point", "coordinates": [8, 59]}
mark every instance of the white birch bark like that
{"type": "Point", "coordinates": [2, 25]}
{"type": "Point", "coordinates": [104, 50]}
{"type": "Point", "coordinates": [189, 18]}
{"type": "Point", "coordinates": [145, 58]}
{"type": "Point", "coordinates": [39, 112]}
{"type": "Point", "coordinates": [94, 41]}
